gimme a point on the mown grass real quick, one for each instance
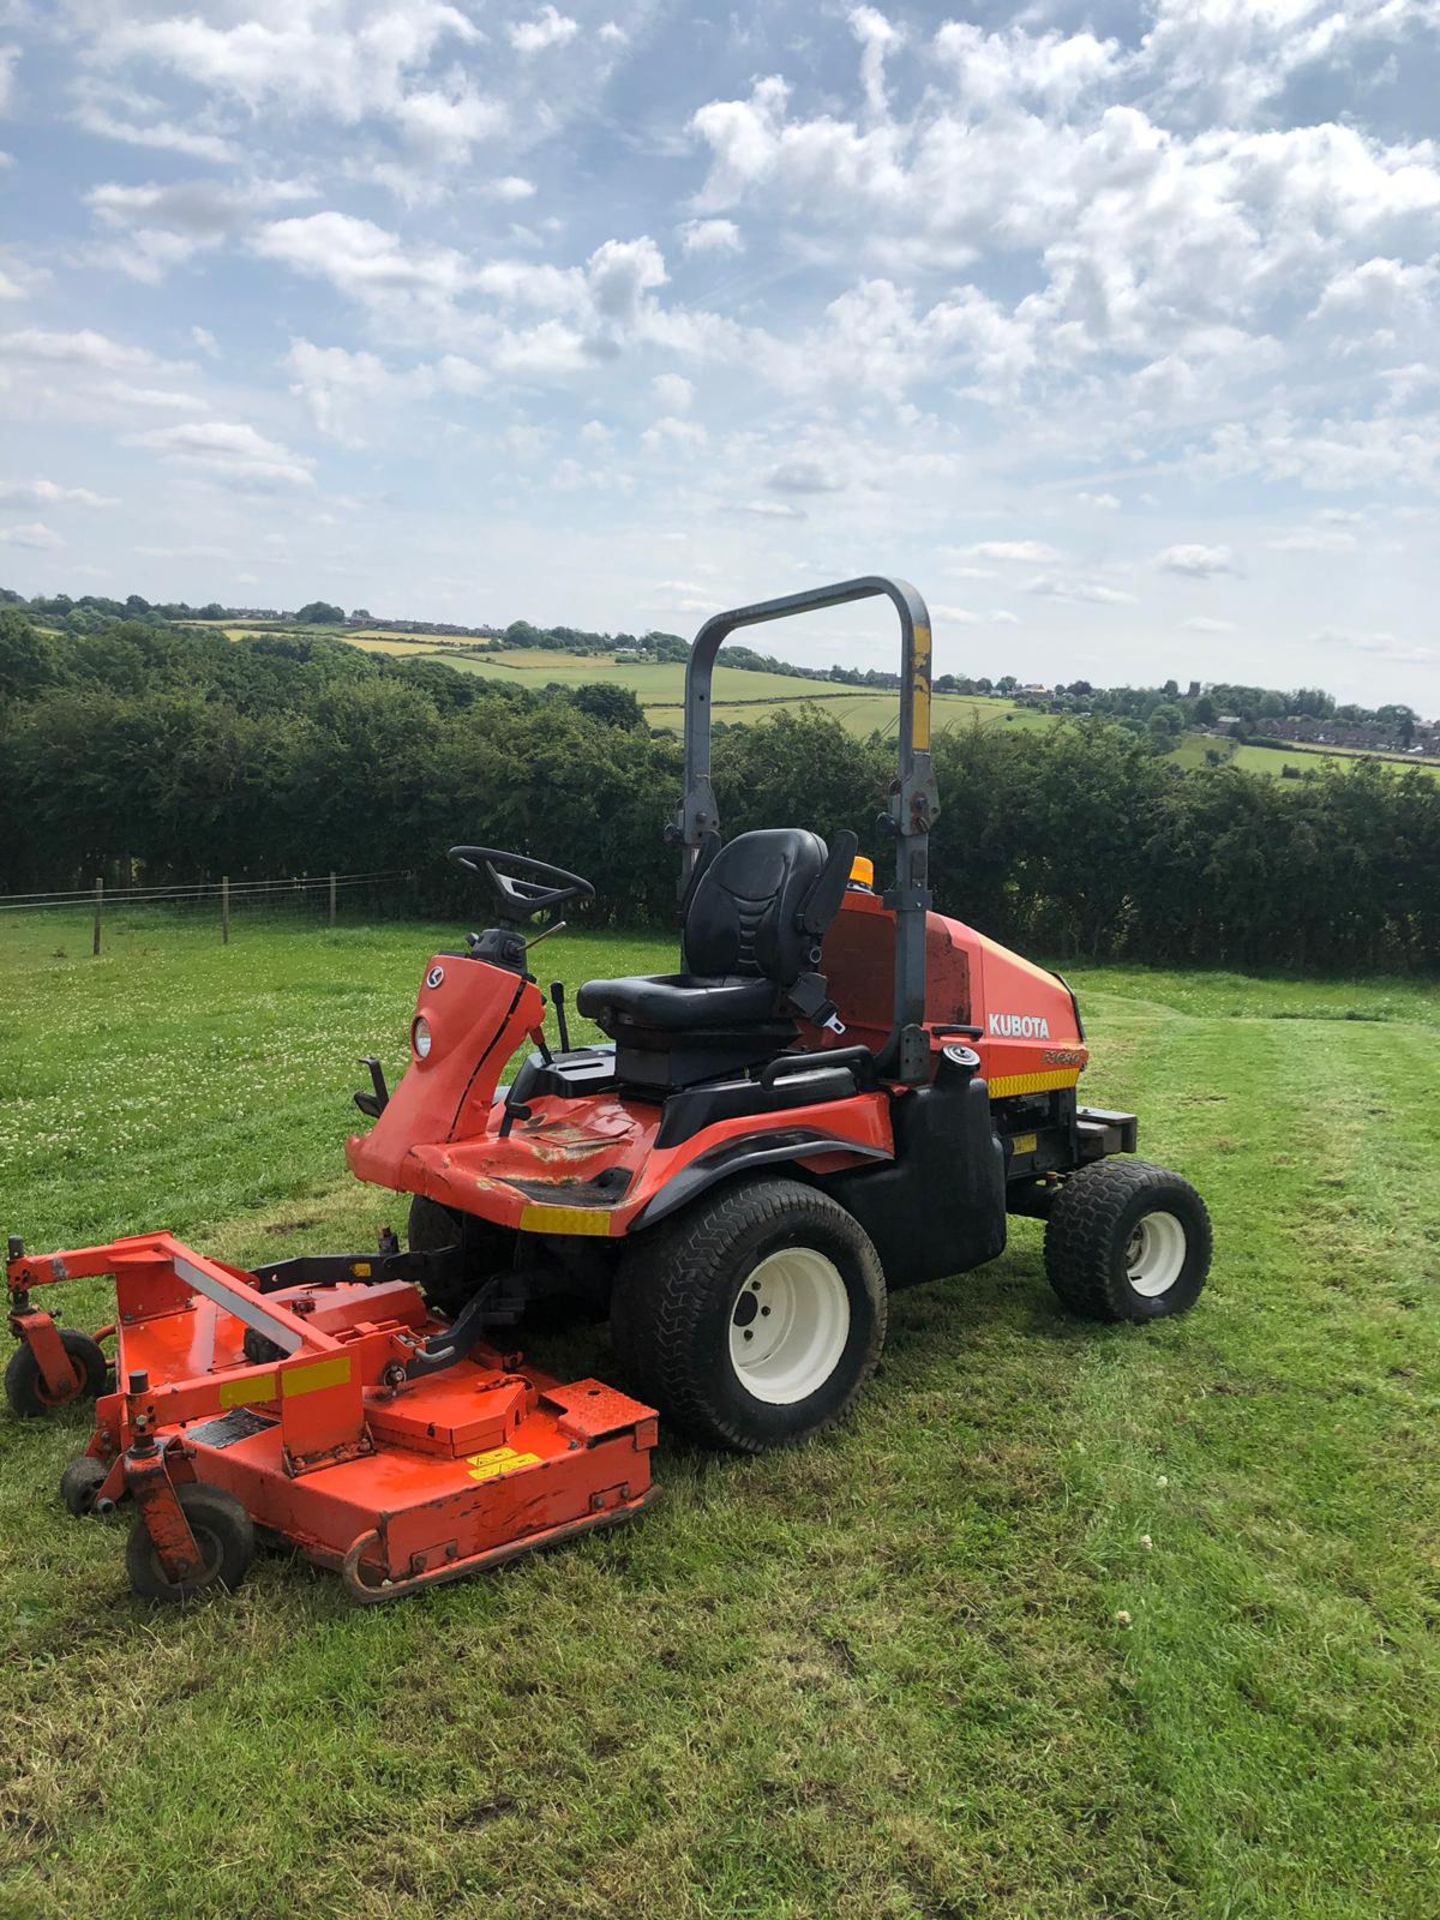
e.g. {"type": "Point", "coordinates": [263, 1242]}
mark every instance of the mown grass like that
{"type": "Point", "coordinates": [884, 1675]}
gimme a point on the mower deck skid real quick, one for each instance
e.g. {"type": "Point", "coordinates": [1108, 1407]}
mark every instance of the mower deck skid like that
{"type": "Point", "coordinates": [326, 1413]}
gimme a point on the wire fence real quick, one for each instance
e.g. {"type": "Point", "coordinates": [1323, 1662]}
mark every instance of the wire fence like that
{"type": "Point", "coordinates": [322, 896]}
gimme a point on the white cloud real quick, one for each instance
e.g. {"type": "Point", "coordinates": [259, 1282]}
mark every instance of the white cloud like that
{"type": "Point", "coordinates": [361, 259]}
{"type": "Point", "coordinates": [878, 38]}
{"type": "Point", "coordinates": [84, 348]}
{"type": "Point", "coordinates": [104, 114]}
{"type": "Point", "coordinates": [613, 34]}
{"type": "Point", "coordinates": [205, 341]}
{"type": "Point", "coordinates": [1094, 592]}
{"type": "Point", "coordinates": [1384, 646]}
{"type": "Point", "coordinates": [957, 616]}
{"type": "Point", "coordinates": [1102, 502]}
{"type": "Point", "coordinates": [46, 493]}
{"type": "Point", "coordinates": [1203, 623]}
{"type": "Point", "coordinates": [550, 28]}
{"type": "Point", "coordinates": [711, 236]}
{"type": "Point", "coordinates": [164, 224]}
{"type": "Point", "coordinates": [671, 432]}
{"type": "Point", "coordinates": [42, 538]}
{"type": "Point", "coordinates": [1032, 552]}
{"type": "Point", "coordinates": [770, 510]}
{"type": "Point", "coordinates": [9, 60]}
{"type": "Point", "coordinates": [342, 58]}
{"type": "Point", "coordinates": [674, 392]}
{"type": "Point", "coordinates": [511, 187]}
{"type": "Point", "coordinates": [1314, 540]}
{"type": "Point", "coordinates": [805, 476]}
{"type": "Point", "coordinates": [1195, 560]}
{"type": "Point", "coordinates": [231, 452]}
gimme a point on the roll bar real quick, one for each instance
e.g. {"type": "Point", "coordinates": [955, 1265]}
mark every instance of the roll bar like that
{"type": "Point", "coordinates": [913, 804]}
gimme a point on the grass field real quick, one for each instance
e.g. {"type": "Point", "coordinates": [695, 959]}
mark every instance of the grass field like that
{"type": "Point", "coordinates": [883, 1677]}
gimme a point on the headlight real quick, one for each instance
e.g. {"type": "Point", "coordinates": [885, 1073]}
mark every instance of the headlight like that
{"type": "Point", "coordinates": [421, 1038]}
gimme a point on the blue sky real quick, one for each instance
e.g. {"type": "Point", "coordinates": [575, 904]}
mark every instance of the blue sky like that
{"type": "Point", "coordinates": [1114, 329]}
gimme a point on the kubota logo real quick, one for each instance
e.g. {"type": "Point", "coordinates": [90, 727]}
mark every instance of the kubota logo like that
{"type": "Point", "coordinates": [1018, 1026]}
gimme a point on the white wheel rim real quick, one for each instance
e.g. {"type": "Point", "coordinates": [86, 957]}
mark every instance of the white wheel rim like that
{"type": "Point", "coordinates": [1154, 1254]}
{"type": "Point", "coordinates": [789, 1326]}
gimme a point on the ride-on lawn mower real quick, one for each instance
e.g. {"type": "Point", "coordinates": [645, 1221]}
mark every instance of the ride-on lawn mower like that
{"type": "Point", "coordinates": [839, 1094]}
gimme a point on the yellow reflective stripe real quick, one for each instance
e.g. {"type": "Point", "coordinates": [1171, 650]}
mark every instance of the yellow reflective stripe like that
{"type": "Point", "coordinates": [312, 1379]}
{"type": "Point", "coordinates": [542, 1219]}
{"type": "Point", "coordinates": [247, 1393]}
{"type": "Point", "coordinates": [1002, 1088]}
{"type": "Point", "coordinates": [921, 685]}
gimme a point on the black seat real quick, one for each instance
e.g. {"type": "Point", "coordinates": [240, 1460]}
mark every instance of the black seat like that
{"type": "Point", "coordinates": [755, 916]}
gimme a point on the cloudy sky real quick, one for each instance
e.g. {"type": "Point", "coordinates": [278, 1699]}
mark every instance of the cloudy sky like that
{"type": "Point", "coordinates": [1113, 328]}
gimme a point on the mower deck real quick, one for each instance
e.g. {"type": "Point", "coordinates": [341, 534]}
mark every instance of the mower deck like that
{"type": "Point", "coordinates": [354, 1446]}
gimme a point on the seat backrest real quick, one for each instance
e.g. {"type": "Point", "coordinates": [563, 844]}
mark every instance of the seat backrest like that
{"type": "Point", "coordinates": [744, 916]}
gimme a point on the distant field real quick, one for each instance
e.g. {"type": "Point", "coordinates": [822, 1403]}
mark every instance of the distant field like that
{"type": "Point", "coordinates": [740, 695]}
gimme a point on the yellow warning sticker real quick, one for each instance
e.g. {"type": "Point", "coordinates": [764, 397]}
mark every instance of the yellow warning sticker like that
{"type": "Point", "coordinates": [1024, 1143]}
{"type": "Point", "coordinates": [315, 1377]}
{"type": "Point", "coordinates": [247, 1393]}
{"type": "Point", "coordinates": [489, 1466]}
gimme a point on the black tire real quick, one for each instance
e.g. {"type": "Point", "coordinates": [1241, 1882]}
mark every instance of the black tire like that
{"type": "Point", "coordinates": [488, 1250]}
{"type": "Point", "coordinates": [1119, 1226]}
{"type": "Point", "coordinates": [25, 1387]}
{"type": "Point", "coordinates": [676, 1299]}
{"type": "Point", "coordinates": [259, 1349]}
{"type": "Point", "coordinates": [224, 1533]}
{"type": "Point", "coordinates": [80, 1482]}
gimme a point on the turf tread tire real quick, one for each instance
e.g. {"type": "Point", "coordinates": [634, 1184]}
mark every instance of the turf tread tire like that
{"type": "Point", "coordinates": [673, 1276]}
{"type": "Point", "coordinates": [1088, 1228]}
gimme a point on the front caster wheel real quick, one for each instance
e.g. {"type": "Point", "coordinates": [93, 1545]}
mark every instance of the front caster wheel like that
{"type": "Point", "coordinates": [754, 1318]}
{"type": "Point", "coordinates": [26, 1388]}
{"type": "Point", "coordinates": [223, 1532]}
{"type": "Point", "coordinates": [81, 1482]}
{"type": "Point", "coordinates": [1127, 1241]}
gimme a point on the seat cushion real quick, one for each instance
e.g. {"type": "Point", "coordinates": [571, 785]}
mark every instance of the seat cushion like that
{"type": "Point", "coordinates": [679, 1002]}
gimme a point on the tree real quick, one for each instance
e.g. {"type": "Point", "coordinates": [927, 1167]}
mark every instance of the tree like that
{"type": "Point", "coordinates": [319, 613]}
{"type": "Point", "coordinates": [1203, 712]}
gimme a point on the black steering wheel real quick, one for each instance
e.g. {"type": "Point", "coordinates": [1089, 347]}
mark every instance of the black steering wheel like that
{"type": "Point", "coordinates": [522, 887]}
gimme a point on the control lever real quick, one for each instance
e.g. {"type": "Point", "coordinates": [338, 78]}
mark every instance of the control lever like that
{"type": "Point", "coordinates": [557, 994]}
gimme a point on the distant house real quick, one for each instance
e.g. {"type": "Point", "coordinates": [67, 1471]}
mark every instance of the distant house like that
{"type": "Point", "coordinates": [624, 656]}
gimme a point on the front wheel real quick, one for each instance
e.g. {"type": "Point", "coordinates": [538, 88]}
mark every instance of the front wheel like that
{"type": "Point", "coordinates": [753, 1319]}
{"type": "Point", "coordinates": [27, 1391]}
{"type": "Point", "coordinates": [1127, 1241]}
{"type": "Point", "coordinates": [223, 1532]}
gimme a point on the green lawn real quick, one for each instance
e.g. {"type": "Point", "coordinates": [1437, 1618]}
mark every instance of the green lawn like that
{"type": "Point", "coordinates": [882, 1676]}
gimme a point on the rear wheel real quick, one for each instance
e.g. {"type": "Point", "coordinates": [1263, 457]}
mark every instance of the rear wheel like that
{"type": "Point", "coordinates": [25, 1386]}
{"type": "Point", "coordinates": [223, 1532]}
{"type": "Point", "coordinates": [1127, 1241]}
{"type": "Point", "coordinates": [753, 1319]}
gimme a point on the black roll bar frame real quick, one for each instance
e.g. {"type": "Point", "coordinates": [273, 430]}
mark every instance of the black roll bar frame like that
{"type": "Point", "coordinates": [913, 804]}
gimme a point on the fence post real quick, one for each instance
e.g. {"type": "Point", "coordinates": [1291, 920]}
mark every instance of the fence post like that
{"type": "Point", "coordinates": [225, 910]}
{"type": "Point", "coordinates": [332, 899]}
{"type": "Point", "coordinates": [99, 904]}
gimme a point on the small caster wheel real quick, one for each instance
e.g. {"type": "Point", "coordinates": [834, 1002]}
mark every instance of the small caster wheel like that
{"type": "Point", "coordinates": [223, 1532]}
{"type": "Point", "coordinates": [80, 1483]}
{"type": "Point", "coordinates": [25, 1386]}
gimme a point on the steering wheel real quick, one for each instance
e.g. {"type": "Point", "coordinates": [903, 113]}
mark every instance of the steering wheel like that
{"type": "Point", "coordinates": [522, 887]}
